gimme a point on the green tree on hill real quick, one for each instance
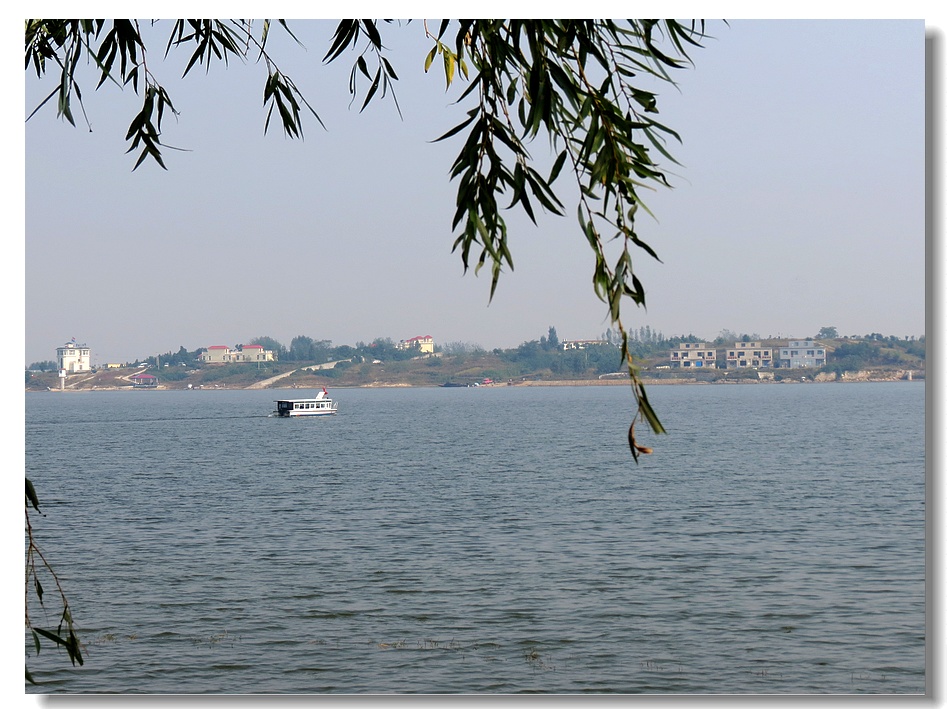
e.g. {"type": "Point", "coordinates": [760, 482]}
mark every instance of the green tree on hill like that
{"type": "Point", "coordinates": [305, 349]}
{"type": "Point", "coordinates": [268, 343]}
{"type": "Point", "coordinates": [553, 339]}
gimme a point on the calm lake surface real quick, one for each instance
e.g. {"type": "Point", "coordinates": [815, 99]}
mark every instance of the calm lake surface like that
{"type": "Point", "coordinates": [486, 540]}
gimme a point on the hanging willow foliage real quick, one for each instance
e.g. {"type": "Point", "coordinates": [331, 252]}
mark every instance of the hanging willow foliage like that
{"type": "Point", "coordinates": [587, 85]}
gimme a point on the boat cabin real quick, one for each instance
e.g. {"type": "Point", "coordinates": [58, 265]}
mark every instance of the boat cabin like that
{"type": "Point", "coordinates": [321, 405]}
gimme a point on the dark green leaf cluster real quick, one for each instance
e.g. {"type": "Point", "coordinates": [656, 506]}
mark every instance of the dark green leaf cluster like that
{"type": "Point", "coordinates": [347, 35]}
{"type": "Point", "coordinates": [67, 42]}
{"type": "Point", "coordinates": [60, 42]}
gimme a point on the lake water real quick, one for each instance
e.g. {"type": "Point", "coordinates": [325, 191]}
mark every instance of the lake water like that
{"type": "Point", "coordinates": [486, 540]}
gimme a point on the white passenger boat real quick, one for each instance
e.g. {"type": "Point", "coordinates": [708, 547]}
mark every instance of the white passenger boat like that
{"type": "Point", "coordinates": [322, 405]}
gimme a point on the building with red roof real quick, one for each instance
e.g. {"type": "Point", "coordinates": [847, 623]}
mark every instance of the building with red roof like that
{"type": "Point", "coordinates": [424, 343]}
{"type": "Point", "coordinates": [144, 381]}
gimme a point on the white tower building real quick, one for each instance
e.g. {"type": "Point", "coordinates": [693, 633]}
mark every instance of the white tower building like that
{"type": "Point", "coordinates": [73, 358]}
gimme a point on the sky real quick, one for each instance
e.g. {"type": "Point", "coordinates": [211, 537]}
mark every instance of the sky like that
{"type": "Point", "coordinates": [798, 204]}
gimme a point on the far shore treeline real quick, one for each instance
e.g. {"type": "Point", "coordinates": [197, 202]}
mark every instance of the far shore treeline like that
{"type": "Point", "coordinates": [383, 361]}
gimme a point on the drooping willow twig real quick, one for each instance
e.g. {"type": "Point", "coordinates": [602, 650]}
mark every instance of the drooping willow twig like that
{"type": "Point", "coordinates": [64, 634]}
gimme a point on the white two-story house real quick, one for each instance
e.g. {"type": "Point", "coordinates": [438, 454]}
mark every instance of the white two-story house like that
{"type": "Point", "coordinates": [72, 357]}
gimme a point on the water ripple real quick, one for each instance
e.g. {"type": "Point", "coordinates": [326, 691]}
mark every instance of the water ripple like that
{"type": "Point", "coordinates": [476, 541]}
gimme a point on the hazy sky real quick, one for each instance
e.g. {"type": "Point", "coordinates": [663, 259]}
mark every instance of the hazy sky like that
{"type": "Point", "coordinates": [799, 204]}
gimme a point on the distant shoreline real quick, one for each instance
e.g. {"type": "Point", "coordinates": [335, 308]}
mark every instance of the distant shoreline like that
{"type": "Point", "coordinates": [531, 383]}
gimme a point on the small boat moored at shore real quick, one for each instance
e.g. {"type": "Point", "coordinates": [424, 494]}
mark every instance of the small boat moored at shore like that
{"type": "Point", "coordinates": [322, 405]}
